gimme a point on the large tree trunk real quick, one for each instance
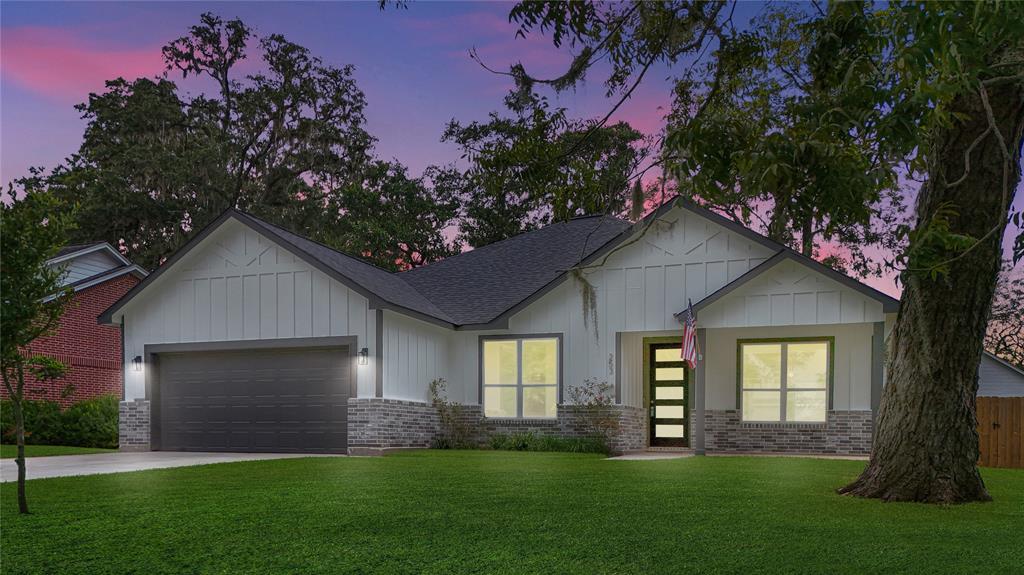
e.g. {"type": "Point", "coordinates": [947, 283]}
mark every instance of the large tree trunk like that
{"type": "Point", "coordinates": [926, 443]}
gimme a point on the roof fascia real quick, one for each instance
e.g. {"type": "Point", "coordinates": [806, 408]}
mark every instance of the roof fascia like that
{"type": "Point", "coordinates": [88, 250]}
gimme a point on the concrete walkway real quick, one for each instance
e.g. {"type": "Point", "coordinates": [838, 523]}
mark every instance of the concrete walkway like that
{"type": "Point", "coordinates": [117, 462]}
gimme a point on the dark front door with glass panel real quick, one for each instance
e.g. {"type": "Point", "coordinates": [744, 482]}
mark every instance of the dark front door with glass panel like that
{"type": "Point", "coordinates": [669, 397]}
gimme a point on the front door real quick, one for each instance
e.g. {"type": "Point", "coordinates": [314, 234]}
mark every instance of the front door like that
{"type": "Point", "coordinates": [669, 396]}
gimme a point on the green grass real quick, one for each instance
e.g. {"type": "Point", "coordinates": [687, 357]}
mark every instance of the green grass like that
{"type": "Point", "coordinates": [11, 451]}
{"type": "Point", "coordinates": [502, 512]}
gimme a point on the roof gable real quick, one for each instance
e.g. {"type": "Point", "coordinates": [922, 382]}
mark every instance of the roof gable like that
{"type": "Point", "coordinates": [785, 290]}
{"type": "Point", "coordinates": [86, 265]}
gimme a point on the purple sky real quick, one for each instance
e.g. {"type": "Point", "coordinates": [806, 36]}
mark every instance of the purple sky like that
{"type": "Point", "coordinates": [412, 64]}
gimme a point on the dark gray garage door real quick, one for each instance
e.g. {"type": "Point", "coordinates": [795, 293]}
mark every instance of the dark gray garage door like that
{"type": "Point", "coordinates": [293, 400]}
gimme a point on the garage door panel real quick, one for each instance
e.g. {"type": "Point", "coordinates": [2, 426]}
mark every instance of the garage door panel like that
{"type": "Point", "coordinates": [283, 400]}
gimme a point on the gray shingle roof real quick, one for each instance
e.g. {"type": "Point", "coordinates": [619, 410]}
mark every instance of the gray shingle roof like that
{"type": "Point", "coordinates": [478, 286]}
{"type": "Point", "coordinates": [70, 249]}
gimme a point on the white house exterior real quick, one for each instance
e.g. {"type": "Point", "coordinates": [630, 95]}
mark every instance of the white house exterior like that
{"type": "Point", "coordinates": [253, 338]}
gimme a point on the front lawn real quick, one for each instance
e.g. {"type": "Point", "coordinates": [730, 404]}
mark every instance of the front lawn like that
{"type": "Point", "coordinates": [502, 512]}
{"type": "Point", "coordinates": [11, 451]}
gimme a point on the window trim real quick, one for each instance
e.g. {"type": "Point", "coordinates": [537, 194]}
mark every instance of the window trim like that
{"type": "Point", "coordinates": [783, 341]}
{"type": "Point", "coordinates": [519, 338]}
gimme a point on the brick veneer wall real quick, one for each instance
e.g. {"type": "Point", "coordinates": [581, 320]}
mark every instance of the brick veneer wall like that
{"type": "Point", "coordinates": [133, 425]}
{"type": "Point", "coordinates": [844, 433]}
{"type": "Point", "coordinates": [375, 424]}
{"type": "Point", "coordinates": [92, 351]}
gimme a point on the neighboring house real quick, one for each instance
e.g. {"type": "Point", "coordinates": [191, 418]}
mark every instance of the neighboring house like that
{"type": "Point", "coordinates": [99, 276]}
{"type": "Point", "coordinates": [999, 378]}
{"type": "Point", "coordinates": [253, 338]}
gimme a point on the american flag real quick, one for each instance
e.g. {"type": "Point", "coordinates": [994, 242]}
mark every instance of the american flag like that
{"type": "Point", "coordinates": [689, 347]}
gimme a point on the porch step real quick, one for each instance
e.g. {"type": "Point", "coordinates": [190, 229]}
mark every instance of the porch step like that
{"type": "Point", "coordinates": [669, 450]}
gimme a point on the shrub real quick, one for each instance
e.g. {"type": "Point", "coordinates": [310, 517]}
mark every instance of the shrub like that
{"type": "Point", "coordinates": [457, 432]}
{"type": "Point", "coordinates": [533, 442]}
{"type": "Point", "coordinates": [89, 423]}
{"type": "Point", "coordinates": [595, 409]}
{"type": "Point", "coordinates": [42, 421]}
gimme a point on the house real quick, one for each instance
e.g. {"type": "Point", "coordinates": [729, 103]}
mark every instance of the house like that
{"type": "Point", "coordinates": [253, 338]}
{"type": "Point", "coordinates": [999, 378]}
{"type": "Point", "coordinates": [99, 276]}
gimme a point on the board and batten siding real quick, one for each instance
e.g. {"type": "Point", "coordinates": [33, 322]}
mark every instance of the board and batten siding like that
{"type": "Point", "coordinates": [239, 285]}
{"type": "Point", "coordinates": [638, 288]}
{"type": "Point", "coordinates": [791, 293]}
{"type": "Point", "coordinates": [415, 353]}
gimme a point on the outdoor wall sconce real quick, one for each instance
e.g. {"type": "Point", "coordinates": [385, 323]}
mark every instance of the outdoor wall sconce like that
{"type": "Point", "coordinates": [364, 355]}
{"type": "Point", "coordinates": [137, 363]}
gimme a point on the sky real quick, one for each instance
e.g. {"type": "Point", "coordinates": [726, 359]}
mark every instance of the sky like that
{"type": "Point", "coordinates": [413, 65]}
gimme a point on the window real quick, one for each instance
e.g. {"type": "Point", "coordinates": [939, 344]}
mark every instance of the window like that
{"type": "Point", "coordinates": [785, 380]}
{"type": "Point", "coordinates": [520, 377]}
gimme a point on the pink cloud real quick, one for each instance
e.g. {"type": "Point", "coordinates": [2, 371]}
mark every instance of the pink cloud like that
{"type": "Point", "coordinates": [57, 64]}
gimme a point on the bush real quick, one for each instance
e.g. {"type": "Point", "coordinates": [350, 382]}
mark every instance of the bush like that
{"type": "Point", "coordinates": [89, 423]}
{"type": "Point", "coordinates": [533, 442]}
{"type": "Point", "coordinates": [457, 431]}
{"type": "Point", "coordinates": [42, 422]}
{"type": "Point", "coordinates": [595, 402]}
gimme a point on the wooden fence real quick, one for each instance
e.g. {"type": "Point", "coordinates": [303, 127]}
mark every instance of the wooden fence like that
{"type": "Point", "coordinates": [1001, 437]}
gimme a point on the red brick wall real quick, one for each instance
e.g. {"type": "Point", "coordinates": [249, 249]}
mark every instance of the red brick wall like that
{"type": "Point", "coordinates": [92, 351]}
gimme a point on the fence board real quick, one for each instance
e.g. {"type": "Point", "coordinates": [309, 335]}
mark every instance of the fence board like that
{"type": "Point", "coordinates": [1001, 431]}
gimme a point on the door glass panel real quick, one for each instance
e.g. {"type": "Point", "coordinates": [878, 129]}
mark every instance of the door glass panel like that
{"type": "Point", "coordinates": [499, 401]}
{"type": "Point", "coordinates": [500, 363]}
{"type": "Point", "coordinates": [540, 362]}
{"type": "Point", "coordinates": [670, 430]}
{"type": "Point", "coordinates": [670, 373]}
{"type": "Point", "coordinates": [670, 411]}
{"type": "Point", "coordinates": [673, 392]}
{"type": "Point", "coordinates": [667, 354]}
{"type": "Point", "coordinates": [806, 405]}
{"type": "Point", "coordinates": [807, 365]}
{"type": "Point", "coordinates": [539, 402]}
{"type": "Point", "coordinates": [762, 366]}
{"type": "Point", "coordinates": [762, 405]}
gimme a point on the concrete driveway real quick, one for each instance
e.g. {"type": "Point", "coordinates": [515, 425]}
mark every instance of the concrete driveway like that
{"type": "Point", "coordinates": [66, 465]}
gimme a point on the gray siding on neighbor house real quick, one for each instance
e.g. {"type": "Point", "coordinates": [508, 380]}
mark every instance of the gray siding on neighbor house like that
{"type": "Point", "coordinates": [88, 265]}
{"type": "Point", "coordinates": [996, 379]}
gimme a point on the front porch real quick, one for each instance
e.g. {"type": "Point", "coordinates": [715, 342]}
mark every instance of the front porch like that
{"type": "Point", "coordinates": [807, 390]}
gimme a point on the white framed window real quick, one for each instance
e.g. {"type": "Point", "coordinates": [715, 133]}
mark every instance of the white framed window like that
{"type": "Point", "coordinates": [520, 376]}
{"type": "Point", "coordinates": [784, 380]}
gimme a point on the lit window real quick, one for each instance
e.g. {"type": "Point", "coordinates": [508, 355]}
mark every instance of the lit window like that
{"type": "Point", "coordinates": [784, 381]}
{"type": "Point", "coordinates": [520, 377]}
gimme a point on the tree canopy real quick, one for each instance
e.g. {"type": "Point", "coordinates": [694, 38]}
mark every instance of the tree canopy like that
{"type": "Point", "coordinates": [537, 165]}
{"type": "Point", "coordinates": [287, 143]}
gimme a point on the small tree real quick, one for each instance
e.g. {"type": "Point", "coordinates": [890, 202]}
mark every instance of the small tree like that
{"type": "Point", "coordinates": [31, 232]}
